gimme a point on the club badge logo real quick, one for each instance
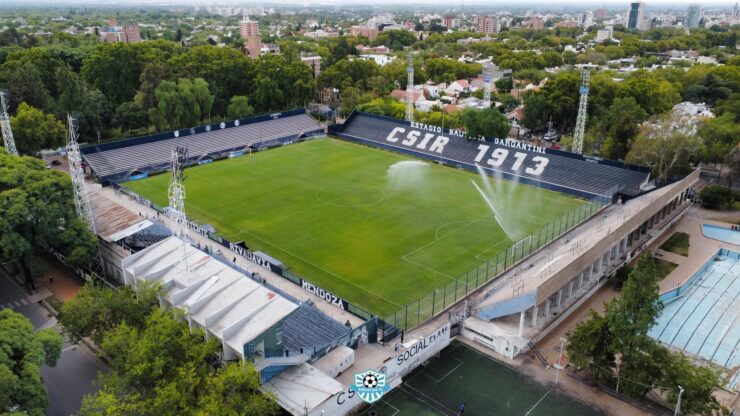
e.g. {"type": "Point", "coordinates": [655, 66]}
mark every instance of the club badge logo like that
{"type": "Point", "coordinates": [370, 385]}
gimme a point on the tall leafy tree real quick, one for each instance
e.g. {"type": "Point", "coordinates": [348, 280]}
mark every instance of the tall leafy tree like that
{"type": "Point", "coordinates": [33, 130]}
{"type": "Point", "coordinates": [667, 151]}
{"type": "Point", "coordinates": [620, 123]}
{"type": "Point", "coordinates": [181, 104]}
{"type": "Point", "coordinates": [164, 368]}
{"type": "Point", "coordinates": [488, 122]}
{"type": "Point", "coordinates": [239, 107]}
{"type": "Point", "coordinates": [95, 310]}
{"type": "Point", "coordinates": [22, 353]}
{"type": "Point", "coordinates": [591, 345]}
{"type": "Point", "coordinates": [24, 84]}
{"type": "Point", "coordinates": [537, 111]}
{"type": "Point", "coordinates": [227, 71]}
{"type": "Point", "coordinates": [654, 95]}
{"type": "Point", "coordinates": [36, 204]}
{"type": "Point", "coordinates": [562, 94]}
{"type": "Point", "coordinates": [114, 69]}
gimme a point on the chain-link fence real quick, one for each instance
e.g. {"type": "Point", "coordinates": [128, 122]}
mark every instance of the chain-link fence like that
{"type": "Point", "coordinates": [419, 311]}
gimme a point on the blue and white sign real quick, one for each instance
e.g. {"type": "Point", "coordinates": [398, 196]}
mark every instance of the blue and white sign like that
{"type": "Point", "coordinates": [370, 385]}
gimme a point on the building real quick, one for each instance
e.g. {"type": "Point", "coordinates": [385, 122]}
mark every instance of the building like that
{"type": "Point", "coordinates": [486, 24]}
{"type": "Point", "coordinates": [566, 23]}
{"type": "Point", "coordinates": [536, 23]}
{"type": "Point", "coordinates": [368, 32]}
{"type": "Point", "coordinates": [693, 16]}
{"type": "Point", "coordinates": [637, 17]}
{"type": "Point", "coordinates": [372, 50]}
{"type": "Point", "coordinates": [601, 13]}
{"type": "Point", "coordinates": [605, 34]}
{"type": "Point", "coordinates": [450, 22]}
{"type": "Point", "coordinates": [122, 34]}
{"type": "Point", "coordinates": [380, 60]}
{"type": "Point", "coordinates": [250, 32]}
{"type": "Point", "coordinates": [312, 23]}
{"type": "Point", "coordinates": [585, 19]}
{"type": "Point", "coordinates": [314, 62]}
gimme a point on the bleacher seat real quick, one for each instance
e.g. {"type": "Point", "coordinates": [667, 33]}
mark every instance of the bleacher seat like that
{"type": "Point", "coordinates": [307, 327]}
{"type": "Point", "coordinates": [564, 173]}
{"type": "Point", "coordinates": [155, 155]}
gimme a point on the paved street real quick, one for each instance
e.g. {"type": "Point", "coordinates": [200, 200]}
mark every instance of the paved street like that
{"type": "Point", "coordinates": [73, 376]}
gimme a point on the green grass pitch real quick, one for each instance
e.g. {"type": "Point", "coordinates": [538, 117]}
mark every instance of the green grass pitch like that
{"type": "Point", "coordinates": [462, 375]}
{"type": "Point", "coordinates": [335, 214]}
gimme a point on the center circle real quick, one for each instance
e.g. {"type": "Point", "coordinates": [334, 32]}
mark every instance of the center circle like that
{"type": "Point", "coordinates": [350, 195]}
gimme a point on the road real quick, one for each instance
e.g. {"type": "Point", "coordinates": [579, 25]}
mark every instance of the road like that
{"type": "Point", "coordinates": [72, 378]}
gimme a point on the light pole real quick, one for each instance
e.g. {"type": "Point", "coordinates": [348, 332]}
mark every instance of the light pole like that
{"type": "Point", "coordinates": [560, 358]}
{"type": "Point", "coordinates": [678, 402]}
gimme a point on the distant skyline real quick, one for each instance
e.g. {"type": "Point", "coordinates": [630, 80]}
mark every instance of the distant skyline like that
{"type": "Point", "coordinates": [521, 4]}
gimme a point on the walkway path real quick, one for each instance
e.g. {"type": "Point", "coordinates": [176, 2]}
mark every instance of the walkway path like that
{"type": "Point", "coordinates": [271, 278]}
{"type": "Point", "coordinates": [700, 248]}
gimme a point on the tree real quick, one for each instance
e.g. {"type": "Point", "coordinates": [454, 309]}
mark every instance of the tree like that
{"type": "Point", "coordinates": [638, 306]}
{"type": "Point", "coordinates": [720, 135]}
{"type": "Point", "coordinates": [235, 390]}
{"type": "Point", "coordinates": [504, 84]}
{"type": "Point", "coordinates": [698, 382]}
{"type": "Point", "coordinates": [395, 39]}
{"type": "Point", "coordinates": [709, 91]}
{"type": "Point", "coordinates": [616, 345]}
{"type": "Point", "coordinates": [24, 84]}
{"type": "Point", "coordinates": [22, 353]}
{"type": "Point", "coordinates": [716, 197]}
{"type": "Point", "coordinates": [182, 104]}
{"type": "Point", "coordinates": [130, 115]}
{"type": "Point", "coordinates": [591, 345]}
{"type": "Point", "coordinates": [114, 69]}
{"type": "Point", "coordinates": [667, 153]}
{"type": "Point", "coordinates": [36, 204]}
{"type": "Point", "coordinates": [164, 368]}
{"type": "Point", "coordinates": [488, 122]}
{"type": "Point", "coordinates": [239, 107]}
{"type": "Point", "coordinates": [537, 111]}
{"type": "Point", "coordinates": [152, 74]}
{"type": "Point", "coordinates": [620, 123]}
{"type": "Point", "coordinates": [227, 71]}
{"type": "Point", "coordinates": [661, 97]}
{"type": "Point", "coordinates": [95, 310]}
{"type": "Point", "coordinates": [562, 95]}
{"type": "Point", "coordinates": [33, 130]}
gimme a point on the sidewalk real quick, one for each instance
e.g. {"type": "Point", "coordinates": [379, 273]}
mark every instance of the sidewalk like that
{"type": "Point", "coordinates": [701, 248]}
{"type": "Point", "coordinates": [63, 284]}
{"type": "Point", "coordinates": [271, 278]}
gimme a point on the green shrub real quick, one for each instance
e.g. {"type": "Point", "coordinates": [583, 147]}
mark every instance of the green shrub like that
{"type": "Point", "coordinates": [717, 197]}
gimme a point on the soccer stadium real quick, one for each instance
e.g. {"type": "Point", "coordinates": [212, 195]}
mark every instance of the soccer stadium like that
{"type": "Point", "coordinates": [412, 233]}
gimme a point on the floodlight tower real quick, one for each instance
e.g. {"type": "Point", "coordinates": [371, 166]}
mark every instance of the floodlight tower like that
{"type": "Point", "coordinates": [487, 76]}
{"type": "Point", "coordinates": [410, 88]}
{"type": "Point", "coordinates": [176, 192]}
{"type": "Point", "coordinates": [582, 107]}
{"type": "Point", "coordinates": [82, 202]}
{"type": "Point", "coordinates": [5, 124]}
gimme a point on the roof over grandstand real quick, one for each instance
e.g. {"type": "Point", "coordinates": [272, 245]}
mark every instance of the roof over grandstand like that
{"type": "Point", "coordinates": [152, 153]}
{"type": "Point", "coordinates": [221, 299]}
{"type": "Point", "coordinates": [512, 159]}
{"type": "Point", "coordinates": [302, 388]}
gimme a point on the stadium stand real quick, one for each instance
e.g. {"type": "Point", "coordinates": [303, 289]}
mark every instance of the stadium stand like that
{"type": "Point", "coordinates": [546, 168]}
{"type": "Point", "coordinates": [308, 327]}
{"type": "Point", "coordinates": [151, 154]}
